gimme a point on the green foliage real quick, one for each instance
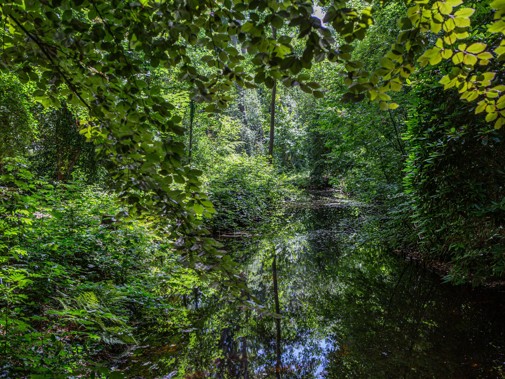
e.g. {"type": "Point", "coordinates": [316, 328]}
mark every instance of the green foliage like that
{"type": "Point", "coordinates": [245, 191]}
{"type": "Point", "coordinates": [454, 178]}
{"type": "Point", "coordinates": [251, 110]}
{"type": "Point", "coordinates": [80, 282]}
{"type": "Point", "coordinates": [356, 146]}
{"type": "Point", "coordinates": [100, 55]}
{"type": "Point", "coordinates": [243, 188]}
{"type": "Point", "coordinates": [365, 162]}
{"type": "Point", "coordinates": [458, 41]}
{"type": "Point", "coordinates": [293, 117]}
{"type": "Point", "coordinates": [104, 59]}
{"type": "Point", "coordinates": [381, 35]}
{"type": "Point", "coordinates": [60, 148]}
{"type": "Point", "coordinates": [131, 279]}
{"type": "Point", "coordinates": [16, 120]}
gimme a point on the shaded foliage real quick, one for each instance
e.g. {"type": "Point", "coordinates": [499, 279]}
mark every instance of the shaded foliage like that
{"type": "Point", "coordinates": [16, 119]}
{"type": "Point", "coordinates": [82, 287]}
{"type": "Point", "coordinates": [246, 192]}
{"type": "Point", "coordinates": [61, 147]}
{"type": "Point", "coordinates": [456, 181]}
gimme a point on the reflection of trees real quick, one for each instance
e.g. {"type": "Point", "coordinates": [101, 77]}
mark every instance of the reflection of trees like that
{"type": "Point", "coordinates": [348, 308]}
{"type": "Point", "coordinates": [301, 333]}
{"type": "Point", "coordinates": [401, 324]}
{"type": "Point", "coordinates": [388, 319]}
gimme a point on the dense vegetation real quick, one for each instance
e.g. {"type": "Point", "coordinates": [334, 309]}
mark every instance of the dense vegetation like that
{"type": "Point", "coordinates": [135, 134]}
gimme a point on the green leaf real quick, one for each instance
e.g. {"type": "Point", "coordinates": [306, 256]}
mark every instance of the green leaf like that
{"type": "Point", "coordinates": [436, 59]}
{"type": "Point", "coordinates": [470, 60]}
{"type": "Point", "coordinates": [314, 85]}
{"type": "Point", "coordinates": [198, 209]}
{"type": "Point", "coordinates": [464, 12]}
{"type": "Point", "coordinates": [449, 25]}
{"type": "Point", "coordinates": [462, 22]}
{"type": "Point", "coordinates": [481, 106]}
{"type": "Point", "coordinates": [445, 79]}
{"type": "Point", "coordinates": [497, 4]}
{"type": "Point", "coordinates": [499, 123]}
{"type": "Point", "coordinates": [500, 103]}
{"type": "Point", "coordinates": [476, 48]}
{"type": "Point", "coordinates": [485, 55]}
{"type": "Point", "coordinates": [248, 27]}
{"type": "Point", "coordinates": [330, 15]}
{"type": "Point", "coordinates": [282, 50]}
{"type": "Point", "coordinates": [447, 54]}
{"type": "Point", "coordinates": [497, 27]}
{"type": "Point", "coordinates": [387, 63]}
{"type": "Point", "coordinates": [491, 116]}
{"type": "Point", "coordinates": [444, 8]}
{"type": "Point", "coordinates": [458, 58]}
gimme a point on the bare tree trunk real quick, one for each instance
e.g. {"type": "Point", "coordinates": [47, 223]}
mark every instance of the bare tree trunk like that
{"type": "Point", "coordinates": [272, 116]}
{"type": "Point", "coordinates": [278, 363]}
{"type": "Point", "coordinates": [399, 140]}
{"type": "Point", "coordinates": [245, 358]}
{"type": "Point", "coordinates": [191, 118]}
{"type": "Point", "coordinates": [196, 292]}
{"type": "Point", "coordinates": [272, 125]}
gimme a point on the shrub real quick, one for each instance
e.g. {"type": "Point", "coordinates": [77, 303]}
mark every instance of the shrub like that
{"type": "Point", "coordinates": [245, 190]}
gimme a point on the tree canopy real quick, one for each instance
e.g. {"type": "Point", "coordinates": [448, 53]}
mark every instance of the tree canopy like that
{"type": "Point", "coordinates": [101, 56]}
{"type": "Point", "coordinates": [135, 136]}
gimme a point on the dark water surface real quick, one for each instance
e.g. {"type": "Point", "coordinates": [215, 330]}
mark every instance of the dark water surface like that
{"type": "Point", "coordinates": [349, 309]}
{"type": "Point", "coordinates": [352, 310]}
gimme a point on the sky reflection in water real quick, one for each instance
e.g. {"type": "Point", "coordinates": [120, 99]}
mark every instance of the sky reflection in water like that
{"type": "Point", "coordinates": [352, 310]}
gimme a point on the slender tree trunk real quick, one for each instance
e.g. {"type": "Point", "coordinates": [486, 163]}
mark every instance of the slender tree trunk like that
{"type": "Point", "coordinates": [245, 358]}
{"type": "Point", "coordinates": [191, 118]}
{"type": "Point", "coordinates": [196, 292]}
{"type": "Point", "coordinates": [272, 116]}
{"type": "Point", "coordinates": [71, 164]}
{"type": "Point", "coordinates": [272, 125]}
{"type": "Point", "coordinates": [278, 363]}
{"type": "Point", "coordinates": [397, 135]}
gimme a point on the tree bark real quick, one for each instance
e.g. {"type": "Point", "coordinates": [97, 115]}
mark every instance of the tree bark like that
{"type": "Point", "coordinates": [272, 125]}
{"type": "Point", "coordinates": [272, 116]}
{"type": "Point", "coordinates": [191, 118]}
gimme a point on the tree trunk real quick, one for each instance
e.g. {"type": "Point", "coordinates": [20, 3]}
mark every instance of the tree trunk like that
{"type": "Point", "coordinates": [191, 118]}
{"type": "Point", "coordinates": [272, 116]}
{"type": "Point", "coordinates": [245, 359]}
{"type": "Point", "coordinates": [278, 363]}
{"type": "Point", "coordinates": [272, 125]}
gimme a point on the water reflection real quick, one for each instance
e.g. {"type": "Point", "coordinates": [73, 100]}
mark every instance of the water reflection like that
{"type": "Point", "coordinates": [348, 309]}
{"type": "Point", "coordinates": [351, 310]}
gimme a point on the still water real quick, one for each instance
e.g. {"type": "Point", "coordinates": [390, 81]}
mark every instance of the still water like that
{"type": "Point", "coordinates": [348, 308]}
{"type": "Point", "coordinates": [353, 310]}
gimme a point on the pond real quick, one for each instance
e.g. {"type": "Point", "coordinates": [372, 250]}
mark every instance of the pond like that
{"type": "Point", "coordinates": [352, 310]}
{"type": "Point", "coordinates": [347, 308]}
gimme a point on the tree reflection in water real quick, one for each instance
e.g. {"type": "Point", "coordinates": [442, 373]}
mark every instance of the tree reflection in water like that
{"type": "Point", "coordinates": [350, 309]}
